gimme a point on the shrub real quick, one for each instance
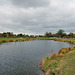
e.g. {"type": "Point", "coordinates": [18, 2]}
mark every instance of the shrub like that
{"type": "Point", "coordinates": [47, 58]}
{"type": "Point", "coordinates": [74, 47]}
{"type": "Point", "coordinates": [70, 48]}
{"type": "Point", "coordinates": [14, 40]}
{"type": "Point", "coordinates": [59, 55]}
{"type": "Point", "coordinates": [53, 56]}
{"type": "Point", "coordinates": [74, 43]}
{"type": "Point", "coordinates": [63, 50]}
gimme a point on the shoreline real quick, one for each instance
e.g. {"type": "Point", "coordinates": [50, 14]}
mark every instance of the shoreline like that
{"type": "Point", "coordinates": [54, 59]}
{"type": "Point", "coordinates": [47, 65]}
{"type": "Point", "coordinates": [7, 40]}
{"type": "Point", "coordinates": [3, 40]}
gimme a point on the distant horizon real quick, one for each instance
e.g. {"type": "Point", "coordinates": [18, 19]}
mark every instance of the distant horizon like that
{"type": "Point", "coordinates": [36, 34]}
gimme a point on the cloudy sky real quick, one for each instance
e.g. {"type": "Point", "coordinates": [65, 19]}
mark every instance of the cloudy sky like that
{"type": "Point", "coordinates": [37, 16]}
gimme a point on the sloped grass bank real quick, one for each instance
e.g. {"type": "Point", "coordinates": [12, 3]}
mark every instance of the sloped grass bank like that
{"type": "Point", "coordinates": [67, 63]}
{"type": "Point", "coordinates": [3, 40]}
{"type": "Point", "coordinates": [62, 63]}
{"type": "Point", "coordinates": [72, 41]}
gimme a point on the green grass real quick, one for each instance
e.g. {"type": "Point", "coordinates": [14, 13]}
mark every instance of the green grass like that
{"type": "Point", "coordinates": [2, 39]}
{"type": "Point", "coordinates": [61, 66]}
{"type": "Point", "coordinates": [43, 39]}
{"type": "Point", "coordinates": [5, 39]}
{"type": "Point", "coordinates": [67, 63]}
{"type": "Point", "coordinates": [64, 39]}
{"type": "Point", "coordinates": [50, 64]}
{"type": "Point", "coordinates": [69, 39]}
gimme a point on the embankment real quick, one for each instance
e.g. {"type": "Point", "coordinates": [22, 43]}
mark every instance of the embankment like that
{"type": "Point", "coordinates": [60, 64]}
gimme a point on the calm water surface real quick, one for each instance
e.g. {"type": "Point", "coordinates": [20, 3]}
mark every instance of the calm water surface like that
{"type": "Point", "coordinates": [23, 58]}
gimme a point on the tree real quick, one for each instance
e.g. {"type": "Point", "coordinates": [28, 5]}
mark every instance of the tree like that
{"type": "Point", "coordinates": [64, 35]}
{"type": "Point", "coordinates": [60, 32]}
{"type": "Point", "coordinates": [20, 35]}
{"type": "Point", "coordinates": [10, 34]}
{"type": "Point", "coordinates": [4, 34]}
{"type": "Point", "coordinates": [71, 35]}
{"type": "Point", "coordinates": [48, 34]}
{"type": "Point", "coordinates": [31, 36]}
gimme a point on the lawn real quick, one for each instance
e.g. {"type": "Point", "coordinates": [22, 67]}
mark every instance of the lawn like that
{"type": "Point", "coordinates": [2, 39]}
{"type": "Point", "coordinates": [67, 64]}
{"type": "Point", "coordinates": [69, 39]}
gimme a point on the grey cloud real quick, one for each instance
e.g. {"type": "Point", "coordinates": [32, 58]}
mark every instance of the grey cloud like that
{"type": "Point", "coordinates": [38, 20]}
{"type": "Point", "coordinates": [5, 2]}
{"type": "Point", "coordinates": [31, 3]}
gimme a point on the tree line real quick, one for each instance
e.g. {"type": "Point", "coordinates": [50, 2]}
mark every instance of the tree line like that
{"type": "Point", "coordinates": [59, 34]}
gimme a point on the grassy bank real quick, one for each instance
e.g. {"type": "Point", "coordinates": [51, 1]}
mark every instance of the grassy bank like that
{"type": "Point", "coordinates": [72, 41]}
{"type": "Point", "coordinates": [2, 39]}
{"type": "Point", "coordinates": [60, 64]}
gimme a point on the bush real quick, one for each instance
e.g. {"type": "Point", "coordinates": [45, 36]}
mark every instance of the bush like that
{"type": "Point", "coordinates": [70, 48]}
{"type": "Point", "coordinates": [47, 58]}
{"type": "Point", "coordinates": [74, 43]}
{"type": "Point", "coordinates": [74, 47]}
{"type": "Point", "coordinates": [14, 40]}
{"type": "Point", "coordinates": [63, 51]}
{"type": "Point", "coordinates": [53, 56]}
{"type": "Point", "coordinates": [59, 55]}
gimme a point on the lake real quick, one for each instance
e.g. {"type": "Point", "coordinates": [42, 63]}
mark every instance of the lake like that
{"type": "Point", "coordinates": [23, 58]}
